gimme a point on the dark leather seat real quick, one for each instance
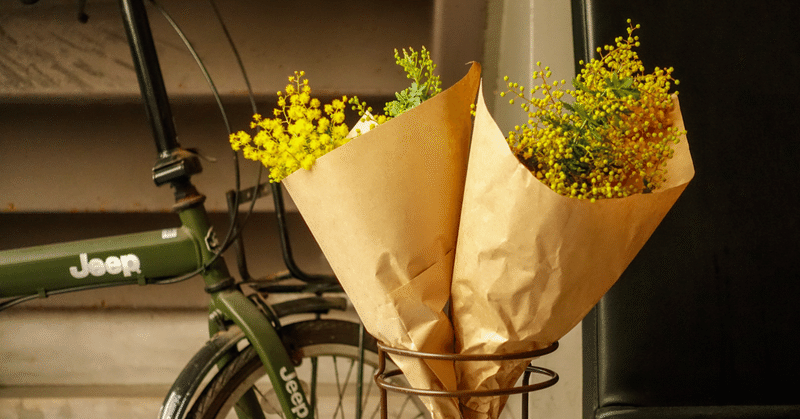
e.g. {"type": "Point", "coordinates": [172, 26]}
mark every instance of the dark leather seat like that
{"type": "Point", "coordinates": [705, 323]}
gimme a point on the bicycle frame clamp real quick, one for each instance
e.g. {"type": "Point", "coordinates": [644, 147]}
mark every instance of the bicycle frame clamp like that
{"type": "Point", "coordinates": [177, 169]}
{"type": "Point", "coordinates": [179, 164]}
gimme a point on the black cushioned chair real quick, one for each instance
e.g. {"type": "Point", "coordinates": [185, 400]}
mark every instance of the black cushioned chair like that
{"type": "Point", "coordinates": [705, 323]}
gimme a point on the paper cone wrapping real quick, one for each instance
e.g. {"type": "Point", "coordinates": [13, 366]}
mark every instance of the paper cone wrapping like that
{"type": "Point", "coordinates": [384, 209]}
{"type": "Point", "coordinates": [531, 263]}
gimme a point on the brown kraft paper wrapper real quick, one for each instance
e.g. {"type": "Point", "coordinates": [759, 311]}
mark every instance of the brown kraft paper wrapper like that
{"type": "Point", "coordinates": [531, 263]}
{"type": "Point", "coordinates": [384, 209]}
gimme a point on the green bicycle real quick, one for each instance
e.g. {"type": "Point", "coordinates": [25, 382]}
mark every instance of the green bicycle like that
{"type": "Point", "coordinates": [253, 365]}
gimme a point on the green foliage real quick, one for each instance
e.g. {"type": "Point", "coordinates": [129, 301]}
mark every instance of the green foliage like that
{"type": "Point", "coordinates": [612, 140]}
{"type": "Point", "coordinates": [425, 85]}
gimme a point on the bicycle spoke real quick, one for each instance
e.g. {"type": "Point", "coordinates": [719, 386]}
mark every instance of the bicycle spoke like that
{"type": "Point", "coordinates": [376, 412]}
{"type": "Point", "coordinates": [365, 396]}
{"type": "Point", "coordinates": [267, 402]}
{"type": "Point", "coordinates": [403, 406]}
{"type": "Point", "coordinates": [341, 389]}
{"type": "Point", "coordinates": [313, 395]}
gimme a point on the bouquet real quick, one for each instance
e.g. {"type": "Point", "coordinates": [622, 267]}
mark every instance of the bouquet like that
{"type": "Point", "coordinates": [553, 213]}
{"type": "Point", "coordinates": [383, 203]}
{"type": "Point", "coordinates": [521, 234]}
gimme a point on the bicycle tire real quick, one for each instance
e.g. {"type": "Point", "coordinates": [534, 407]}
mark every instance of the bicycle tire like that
{"type": "Point", "coordinates": [334, 343]}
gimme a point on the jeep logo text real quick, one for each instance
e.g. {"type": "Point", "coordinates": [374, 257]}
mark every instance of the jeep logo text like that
{"type": "Point", "coordinates": [113, 265]}
{"type": "Point", "coordinates": [295, 394]}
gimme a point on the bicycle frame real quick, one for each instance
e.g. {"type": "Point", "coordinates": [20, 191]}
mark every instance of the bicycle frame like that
{"type": "Point", "coordinates": [110, 261]}
{"type": "Point", "coordinates": [149, 257]}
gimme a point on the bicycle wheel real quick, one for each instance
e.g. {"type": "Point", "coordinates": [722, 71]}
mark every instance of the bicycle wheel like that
{"type": "Point", "coordinates": [328, 372]}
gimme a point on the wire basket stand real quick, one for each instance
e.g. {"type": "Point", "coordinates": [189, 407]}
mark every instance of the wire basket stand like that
{"type": "Point", "coordinates": [385, 386]}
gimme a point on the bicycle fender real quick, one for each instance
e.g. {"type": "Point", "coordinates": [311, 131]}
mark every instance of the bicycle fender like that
{"type": "Point", "coordinates": [189, 380]}
{"type": "Point", "coordinates": [267, 343]}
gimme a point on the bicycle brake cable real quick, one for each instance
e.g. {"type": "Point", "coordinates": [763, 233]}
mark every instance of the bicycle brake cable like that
{"type": "Point", "coordinates": [253, 107]}
{"type": "Point", "coordinates": [235, 227]}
